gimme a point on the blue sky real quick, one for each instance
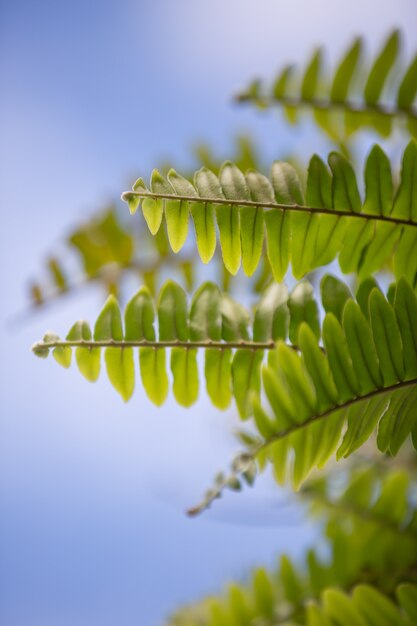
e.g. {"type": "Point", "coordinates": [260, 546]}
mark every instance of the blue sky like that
{"type": "Point", "coordinates": [92, 492]}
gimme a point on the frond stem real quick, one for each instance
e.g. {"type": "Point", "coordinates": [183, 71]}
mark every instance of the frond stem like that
{"type": "Point", "coordinates": [270, 205]}
{"type": "Point", "coordinates": [109, 273]}
{"type": "Point", "coordinates": [145, 343]}
{"type": "Point", "coordinates": [327, 105]}
{"type": "Point", "coordinates": [319, 416]}
{"type": "Point", "coordinates": [252, 453]}
{"type": "Point", "coordinates": [365, 514]}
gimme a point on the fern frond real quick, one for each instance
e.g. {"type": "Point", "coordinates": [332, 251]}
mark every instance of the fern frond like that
{"type": "Point", "coordinates": [310, 229]}
{"type": "Point", "coordinates": [323, 398]}
{"type": "Point", "coordinates": [214, 322]}
{"type": "Point", "coordinates": [365, 605]}
{"type": "Point", "coordinates": [372, 539]}
{"type": "Point", "coordinates": [326, 402]}
{"type": "Point", "coordinates": [107, 252]}
{"type": "Point", "coordinates": [353, 98]}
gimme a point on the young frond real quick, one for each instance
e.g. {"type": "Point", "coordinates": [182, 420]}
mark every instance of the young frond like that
{"type": "Point", "coordinates": [307, 228]}
{"type": "Point", "coordinates": [351, 99]}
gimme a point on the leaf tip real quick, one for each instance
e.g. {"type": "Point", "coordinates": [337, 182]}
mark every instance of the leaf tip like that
{"type": "Point", "coordinates": [40, 350]}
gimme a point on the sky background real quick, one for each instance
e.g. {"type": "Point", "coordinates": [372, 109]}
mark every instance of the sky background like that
{"type": "Point", "coordinates": [92, 492]}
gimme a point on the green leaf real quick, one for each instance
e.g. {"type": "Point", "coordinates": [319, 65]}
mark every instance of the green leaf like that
{"type": "Point", "coordinates": [152, 209]}
{"type": "Point", "coordinates": [140, 317]}
{"type": "Point", "coordinates": [345, 192]}
{"type": "Point", "coordinates": [228, 218]}
{"type": "Point", "coordinates": [387, 338]}
{"type": "Point", "coordinates": [376, 608]}
{"type": "Point", "coordinates": [119, 362]}
{"type": "Point", "coordinates": [378, 183]}
{"type": "Point", "coordinates": [340, 609]}
{"type": "Point", "coordinates": [40, 350]}
{"type": "Point", "coordinates": [282, 88]}
{"type": "Point", "coordinates": [132, 200]}
{"type": "Point", "coordinates": [311, 77]}
{"type": "Point", "coordinates": [303, 308]}
{"type": "Point", "coordinates": [278, 230]}
{"type": "Point", "coordinates": [334, 295]}
{"type": "Point", "coordinates": [291, 584]}
{"type": "Point", "coordinates": [405, 203]}
{"type": "Point", "coordinates": [392, 501]}
{"type": "Point", "coordinates": [233, 182]}
{"type": "Point", "coordinates": [343, 77]}
{"type": "Point", "coordinates": [176, 212]}
{"type": "Point", "coordinates": [263, 592]}
{"type": "Point", "coordinates": [407, 596]}
{"type": "Point", "coordinates": [380, 249]}
{"type": "Point", "coordinates": [281, 85]}
{"type": "Point", "coordinates": [408, 87]}
{"type": "Point", "coordinates": [62, 355]}
{"type": "Point", "coordinates": [246, 378]}
{"type": "Point", "coordinates": [398, 421]}
{"type": "Point", "coordinates": [405, 260]}
{"type": "Point", "coordinates": [361, 347]}
{"type": "Point", "coordinates": [381, 68]}
{"type": "Point", "coordinates": [218, 373]}
{"type": "Point", "coordinates": [363, 293]}
{"type": "Point", "coordinates": [263, 424]}
{"type": "Point", "coordinates": [205, 314]}
{"type": "Point", "coordinates": [172, 313]}
{"type": "Point", "coordinates": [88, 359]}
{"type": "Point", "coordinates": [316, 616]}
{"type": "Point", "coordinates": [252, 221]}
{"type": "Point", "coordinates": [152, 363]}
{"type": "Point", "coordinates": [339, 358]}
{"type": "Point", "coordinates": [208, 186]}
{"type": "Point", "coordinates": [319, 184]}
{"type": "Point", "coordinates": [185, 373]}
{"type": "Point", "coordinates": [318, 368]}
{"type": "Point", "coordinates": [121, 370]}
{"type": "Point", "coordinates": [285, 412]}
{"type": "Point", "coordinates": [57, 274]}
{"type": "Point", "coordinates": [361, 421]}
{"type": "Point", "coordinates": [272, 314]}
{"type": "Point", "coordinates": [295, 375]}
{"type": "Point", "coordinates": [405, 306]}
{"type": "Point", "coordinates": [361, 233]}
{"type": "Point", "coordinates": [304, 228]}
{"type": "Point", "coordinates": [109, 322]}
{"type": "Point", "coordinates": [286, 183]}
{"type": "Point", "coordinates": [235, 320]}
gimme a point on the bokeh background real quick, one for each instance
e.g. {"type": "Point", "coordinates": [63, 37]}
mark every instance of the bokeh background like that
{"type": "Point", "coordinates": [92, 492]}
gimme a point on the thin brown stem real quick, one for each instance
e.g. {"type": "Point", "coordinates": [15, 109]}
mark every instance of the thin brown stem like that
{"type": "Point", "coordinates": [144, 343]}
{"type": "Point", "coordinates": [271, 205]}
{"type": "Point", "coordinates": [251, 454]}
{"type": "Point", "coordinates": [363, 108]}
{"type": "Point", "coordinates": [319, 416]}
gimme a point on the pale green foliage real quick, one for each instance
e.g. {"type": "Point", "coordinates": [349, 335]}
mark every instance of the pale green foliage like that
{"type": "Point", "coordinates": [371, 533]}
{"type": "Point", "coordinates": [325, 400]}
{"type": "Point", "coordinates": [109, 250]}
{"type": "Point", "coordinates": [316, 379]}
{"type": "Point", "coordinates": [308, 228]}
{"type": "Point", "coordinates": [232, 366]}
{"type": "Point", "coordinates": [318, 399]}
{"type": "Point", "coordinates": [354, 97]}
